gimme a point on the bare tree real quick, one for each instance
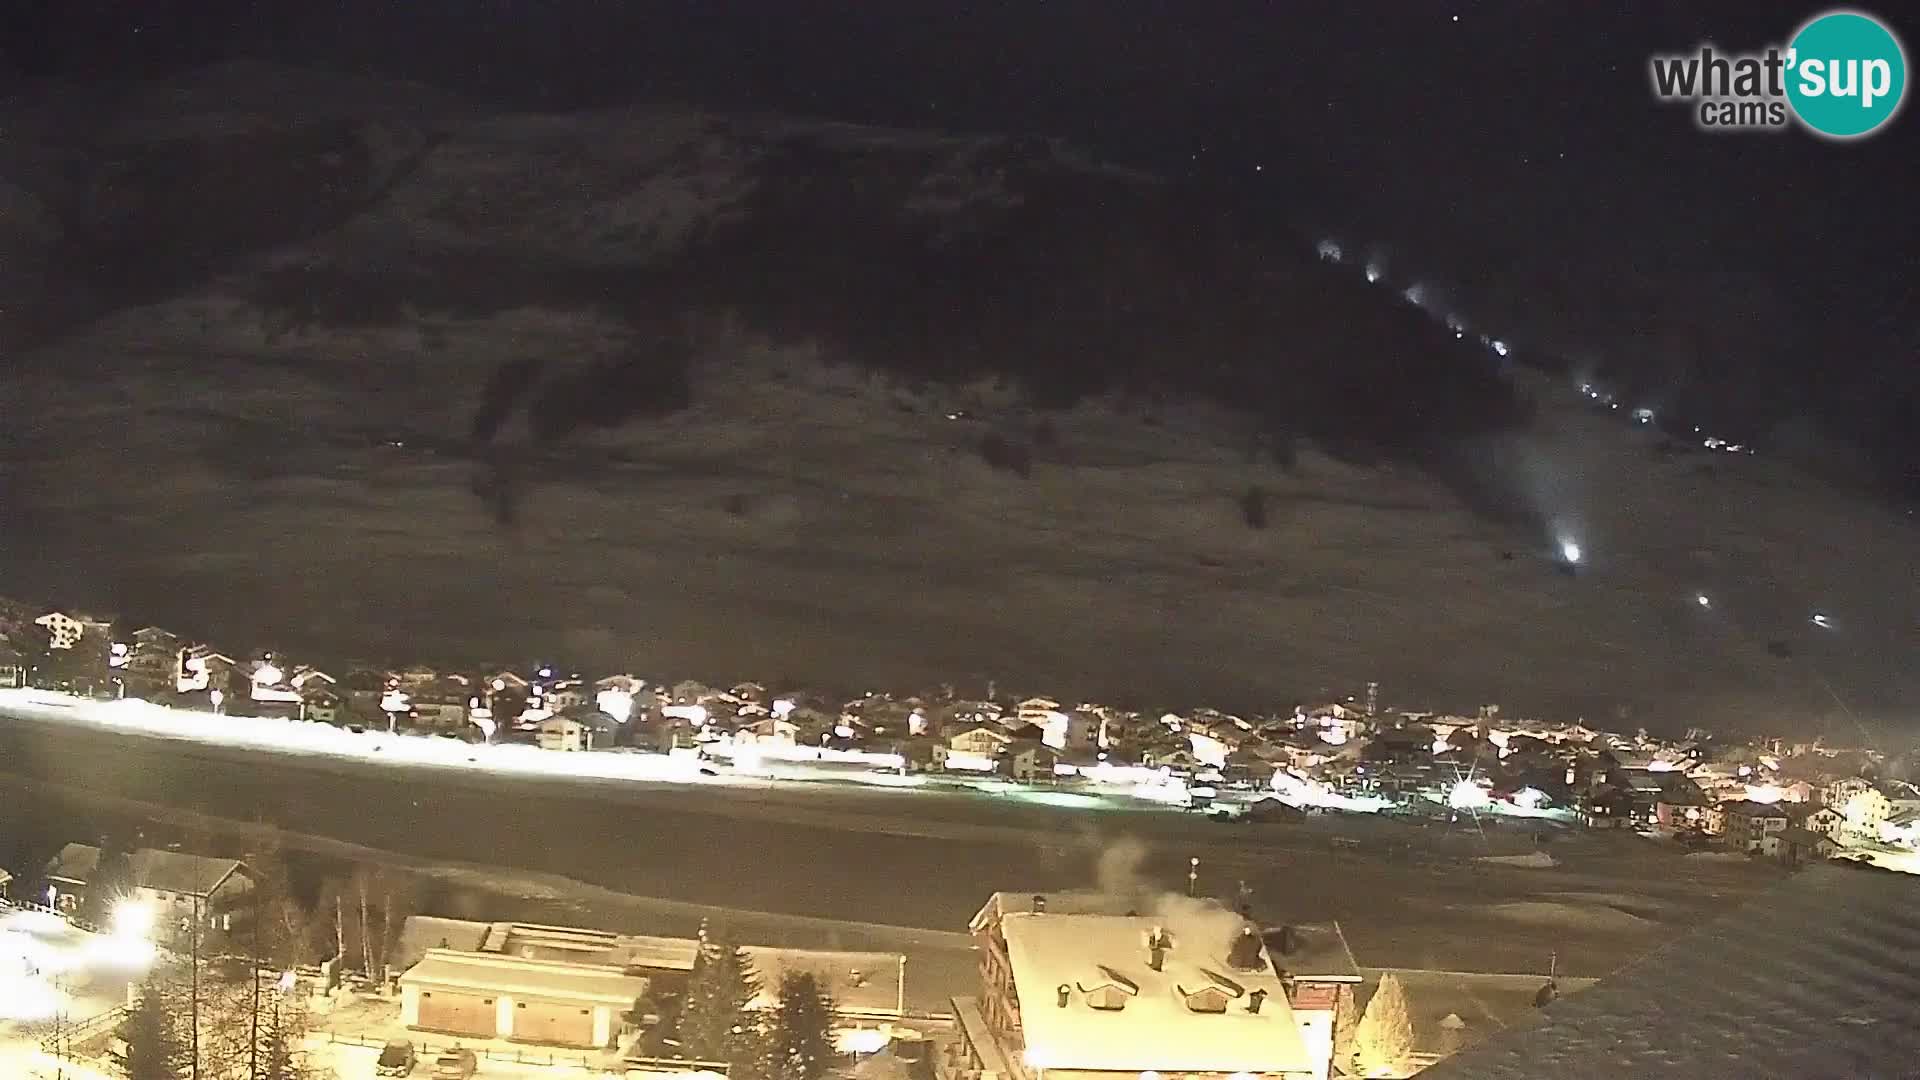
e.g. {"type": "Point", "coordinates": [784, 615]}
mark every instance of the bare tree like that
{"type": "Point", "coordinates": [363, 886]}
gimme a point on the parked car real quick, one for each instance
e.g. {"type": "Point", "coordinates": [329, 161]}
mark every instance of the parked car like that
{"type": "Point", "coordinates": [455, 1064]}
{"type": "Point", "coordinates": [396, 1059]}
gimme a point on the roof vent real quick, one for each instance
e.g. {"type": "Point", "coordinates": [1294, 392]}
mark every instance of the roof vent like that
{"type": "Point", "coordinates": [1255, 1000]}
{"type": "Point", "coordinates": [1062, 994]}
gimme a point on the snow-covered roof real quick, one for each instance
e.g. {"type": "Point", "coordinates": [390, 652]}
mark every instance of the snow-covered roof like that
{"type": "Point", "coordinates": [515, 975]}
{"type": "Point", "coordinates": [422, 932]}
{"type": "Point", "coordinates": [162, 871]}
{"type": "Point", "coordinates": [862, 983]}
{"type": "Point", "coordinates": [1816, 977]}
{"type": "Point", "coordinates": [1152, 1019]}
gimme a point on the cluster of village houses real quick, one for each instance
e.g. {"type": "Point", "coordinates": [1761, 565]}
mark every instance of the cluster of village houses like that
{"type": "Point", "coordinates": [1097, 984]}
{"type": "Point", "coordinates": [1087, 982]}
{"type": "Point", "coordinates": [1791, 803]}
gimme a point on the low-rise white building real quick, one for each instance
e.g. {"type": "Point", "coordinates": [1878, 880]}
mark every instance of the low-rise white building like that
{"type": "Point", "coordinates": [562, 733]}
{"type": "Point", "coordinates": [497, 996]}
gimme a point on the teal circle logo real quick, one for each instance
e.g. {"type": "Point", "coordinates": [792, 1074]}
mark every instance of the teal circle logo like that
{"type": "Point", "coordinates": [1847, 74]}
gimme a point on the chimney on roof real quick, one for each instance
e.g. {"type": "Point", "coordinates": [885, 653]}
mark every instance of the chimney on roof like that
{"type": "Point", "coordinates": [1157, 943]}
{"type": "Point", "coordinates": [1039, 904]}
{"type": "Point", "coordinates": [1289, 940]}
{"type": "Point", "coordinates": [1062, 994]}
{"type": "Point", "coordinates": [1243, 953]}
{"type": "Point", "coordinates": [1256, 999]}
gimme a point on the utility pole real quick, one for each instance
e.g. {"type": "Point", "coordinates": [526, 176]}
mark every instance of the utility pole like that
{"type": "Point", "coordinates": [1193, 875]}
{"type": "Point", "coordinates": [193, 982]}
{"type": "Point", "coordinates": [253, 1018]}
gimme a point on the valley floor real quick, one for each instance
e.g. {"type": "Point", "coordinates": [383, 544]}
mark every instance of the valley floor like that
{"type": "Point", "coordinates": [1406, 897]}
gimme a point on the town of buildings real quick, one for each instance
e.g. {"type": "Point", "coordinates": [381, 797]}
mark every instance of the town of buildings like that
{"type": "Point", "coordinates": [1072, 986]}
{"type": "Point", "coordinates": [1791, 803]}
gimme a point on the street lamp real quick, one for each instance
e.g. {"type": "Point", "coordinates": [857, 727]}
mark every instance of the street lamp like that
{"type": "Point", "coordinates": [132, 920]}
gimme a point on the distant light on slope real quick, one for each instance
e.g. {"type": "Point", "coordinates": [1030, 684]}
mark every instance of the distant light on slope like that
{"type": "Point", "coordinates": [1330, 251]}
{"type": "Point", "coordinates": [1374, 273]}
{"type": "Point", "coordinates": [1821, 620]}
{"type": "Point", "coordinates": [1499, 347]}
{"type": "Point", "coordinates": [1570, 551]}
{"type": "Point", "coordinates": [1703, 600]}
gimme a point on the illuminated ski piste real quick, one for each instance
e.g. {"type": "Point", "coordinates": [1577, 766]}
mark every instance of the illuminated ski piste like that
{"type": "Point", "coordinates": [301, 739]}
{"type": "Point", "coordinates": [751, 767]}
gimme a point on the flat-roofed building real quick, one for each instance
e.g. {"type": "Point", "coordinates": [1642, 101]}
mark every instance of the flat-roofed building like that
{"type": "Point", "coordinates": [496, 996]}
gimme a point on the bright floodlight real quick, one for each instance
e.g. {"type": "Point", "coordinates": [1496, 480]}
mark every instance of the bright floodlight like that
{"type": "Point", "coordinates": [1703, 600]}
{"type": "Point", "coordinates": [1373, 273]}
{"type": "Point", "coordinates": [1570, 551]}
{"type": "Point", "coordinates": [132, 919]}
{"type": "Point", "coordinates": [1820, 620]}
{"type": "Point", "coordinates": [267, 675]}
{"type": "Point", "coordinates": [1467, 795]}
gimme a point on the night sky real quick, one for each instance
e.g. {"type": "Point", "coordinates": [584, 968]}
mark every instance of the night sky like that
{"type": "Point", "coordinates": [1509, 150]}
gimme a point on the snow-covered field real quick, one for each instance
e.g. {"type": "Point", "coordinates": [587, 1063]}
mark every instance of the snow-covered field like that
{"type": "Point", "coordinates": [189, 461]}
{"type": "Point", "coordinates": [765, 768]}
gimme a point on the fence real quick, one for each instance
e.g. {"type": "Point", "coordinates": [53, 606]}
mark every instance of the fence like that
{"type": "Point", "coordinates": [61, 1041]}
{"type": "Point", "coordinates": [549, 1058]}
{"type": "Point", "coordinates": [29, 905]}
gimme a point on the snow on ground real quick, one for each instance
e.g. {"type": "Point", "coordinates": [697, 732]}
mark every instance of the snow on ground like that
{"type": "Point", "coordinates": [198, 462]}
{"type": "Point", "coordinates": [785, 530]}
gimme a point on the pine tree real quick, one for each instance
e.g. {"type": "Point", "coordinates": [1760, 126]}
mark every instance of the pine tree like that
{"type": "Point", "coordinates": [282, 1031]}
{"type": "Point", "coordinates": [1344, 1022]}
{"type": "Point", "coordinates": [154, 1045]}
{"type": "Point", "coordinates": [1385, 1037]}
{"type": "Point", "coordinates": [799, 1043]}
{"type": "Point", "coordinates": [713, 1023]}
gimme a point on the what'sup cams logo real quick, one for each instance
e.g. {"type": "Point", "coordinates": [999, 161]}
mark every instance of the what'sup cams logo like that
{"type": "Point", "coordinates": [1843, 75]}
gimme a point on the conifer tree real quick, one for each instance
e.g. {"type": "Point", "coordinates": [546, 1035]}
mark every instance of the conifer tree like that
{"type": "Point", "coordinates": [1385, 1037]}
{"type": "Point", "coordinates": [799, 1041]}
